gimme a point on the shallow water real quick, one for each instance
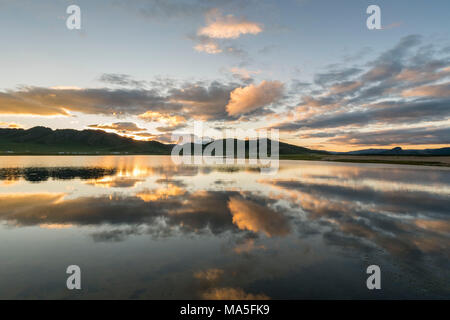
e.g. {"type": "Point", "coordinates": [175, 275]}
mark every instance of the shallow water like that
{"type": "Point", "coordinates": [141, 227]}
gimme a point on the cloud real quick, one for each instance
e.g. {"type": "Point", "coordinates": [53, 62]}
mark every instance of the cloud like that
{"type": "Point", "coordinates": [389, 63]}
{"type": "Point", "coordinates": [215, 46]}
{"type": "Point", "coordinates": [160, 117]}
{"type": "Point", "coordinates": [10, 125]}
{"type": "Point", "coordinates": [227, 27]}
{"type": "Point", "coordinates": [163, 138]}
{"type": "Point", "coordinates": [244, 74]}
{"type": "Point", "coordinates": [123, 127]}
{"type": "Point", "coordinates": [335, 75]}
{"type": "Point", "coordinates": [203, 102]}
{"type": "Point", "coordinates": [439, 90]}
{"type": "Point", "coordinates": [116, 182]}
{"type": "Point", "coordinates": [150, 136]}
{"type": "Point", "coordinates": [210, 275]}
{"type": "Point", "coordinates": [414, 136]}
{"type": "Point", "coordinates": [248, 215]}
{"type": "Point", "coordinates": [345, 87]}
{"type": "Point", "coordinates": [115, 235]}
{"type": "Point", "coordinates": [199, 100]}
{"type": "Point", "coordinates": [210, 47]}
{"type": "Point", "coordinates": [232, 294]}
{"type": "Point", "coordinates": [171, 128]}
{"type": "Point", "coordinates": [403, 85]}
{"type": "Point", "coordinates": [353, 209]}
{"type": "Point", "coordinates": [250, 98]}
{"type": "Point", "coordinates": [121, 80]}
{"type": "Point", "coordinates": [48, 102]}
{"type": "Point", "coordinates": [388, 112]}
{"type": "Point", "coordinates": [194, 212]}
{"type": "Point", "coordinates": [247, 246]}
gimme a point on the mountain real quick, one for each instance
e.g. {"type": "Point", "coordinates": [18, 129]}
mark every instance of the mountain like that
{"type": "Point", "coordinates": [42, 140]}
{"type": "Point", "coordinates": [401, 152]}
{"type": "Point", "coordinates": [45, 140]}
{"type": "Point", "coordinates": [283, 148]}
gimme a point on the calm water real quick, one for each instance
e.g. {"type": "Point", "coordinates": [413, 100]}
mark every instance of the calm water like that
{"type": "Point", "coordinates": [143, 228]}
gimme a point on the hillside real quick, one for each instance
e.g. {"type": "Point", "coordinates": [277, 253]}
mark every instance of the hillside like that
{"type": "Point", "coordinates": [283, 148]}
{"type": "Point", "coordinates": [41, 140]}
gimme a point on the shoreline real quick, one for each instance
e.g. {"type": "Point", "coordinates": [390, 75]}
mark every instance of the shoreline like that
{"type": "Point", "coordinates": [421, 160]}
{"type": "Point", "coordinates": [417, 160]}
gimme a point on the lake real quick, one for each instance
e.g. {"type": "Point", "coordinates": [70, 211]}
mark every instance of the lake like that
{"type": "Point", "coordinates": [140, 227]}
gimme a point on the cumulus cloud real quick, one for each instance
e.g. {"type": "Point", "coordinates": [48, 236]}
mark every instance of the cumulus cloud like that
{"type": "Point", "coordinates": [227, 27]}
{"type": "Point", "coordinates": [247, 99]}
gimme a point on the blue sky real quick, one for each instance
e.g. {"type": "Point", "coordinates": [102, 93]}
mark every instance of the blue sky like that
{"type": "Point", "coordinates": [158, 45]}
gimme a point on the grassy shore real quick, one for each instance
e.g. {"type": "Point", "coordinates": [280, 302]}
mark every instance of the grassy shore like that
{"type": "Point", "coordinates": [441, 161]}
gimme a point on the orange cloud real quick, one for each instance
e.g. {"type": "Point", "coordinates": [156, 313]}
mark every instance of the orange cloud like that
{"type": "Point", "coordinates": [62, 101]}
{"type": "Point", "coordinates": [227, 27]}
{"type": "Point", "coordinates": [115, 182]}
{"type": "Point", "coordinates": [208, 47]}
{"type": "Point", "coordinates": [247, 246]}
{"type": "Point", "coordinates": [210, 275]}
{"type": "Point", "coordinates": [439, 90]}
{"type": "Point", "coordinates": [55, 226]}
{"type": "Point", "coordinates": [24, 103]}
{"type": "Point", "coordinates": [248, 215]}
{"type": "Point", "coordinates": [15, 206]}
{"type": "Point", "coordinates": [157, 116]}
{"type": "Point", "coordinates": [244, 100]}
{"type": "Point", "coordinates": [439, 226]}
{"type": "Point", "coordinates": [419, 75]}
{"type": "Point", "coordinates": [345, 87]}
{"type": "Point", "coordinates": [161, 194]}
{"type": "Point", "coordinates": [122, 127]}
{"type": "Point", "coordinates": [10, 125]}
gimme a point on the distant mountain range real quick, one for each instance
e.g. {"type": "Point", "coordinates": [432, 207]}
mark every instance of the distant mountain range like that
{"type": "Point", "coordinates": [398, 151]}
{"type": "Point", "coordinates": [42, 140]}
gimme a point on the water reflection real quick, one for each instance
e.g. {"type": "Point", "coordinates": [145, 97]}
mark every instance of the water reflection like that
{"type": "Point", "coordinates": [202, 232]}
{"type": "Point", "coordinates": [43, 174]}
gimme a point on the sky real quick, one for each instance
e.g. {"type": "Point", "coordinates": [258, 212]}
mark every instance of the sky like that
{"type": "Point", "coordinates": [310, 69]}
